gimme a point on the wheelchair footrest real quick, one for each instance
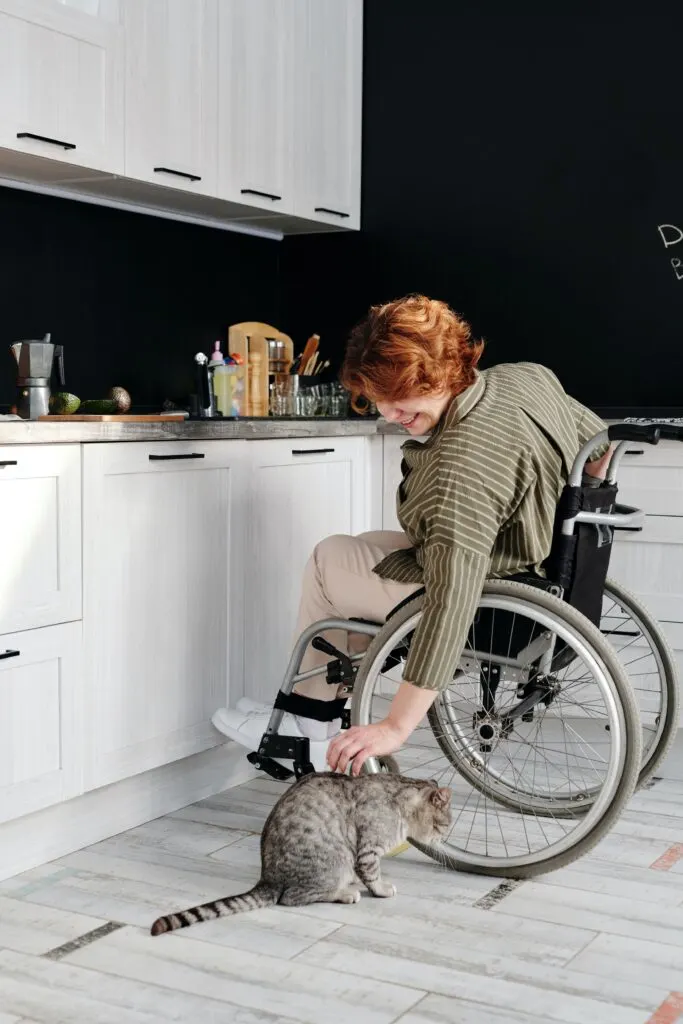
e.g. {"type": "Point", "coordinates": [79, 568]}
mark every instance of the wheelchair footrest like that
{"type": "Point", "coordinates": [272, 745]}
{"type": "Point", "coordinates": [270, 767]}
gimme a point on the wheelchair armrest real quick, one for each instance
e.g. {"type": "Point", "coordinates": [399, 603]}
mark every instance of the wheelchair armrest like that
{"type": "Point", "coordinates": [628, 510]}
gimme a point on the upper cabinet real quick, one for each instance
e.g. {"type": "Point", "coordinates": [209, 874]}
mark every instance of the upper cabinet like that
{"type": "Point", "coordinates": [255, 99]}
{"type": "Point", "coordinates": [328, 71]}
{"type": "Point", "coordinates": [61, 87]}
{"type": "Point", "coordinates": [171, 92]}
{"type": "Point", "coordinates": [246, 112]}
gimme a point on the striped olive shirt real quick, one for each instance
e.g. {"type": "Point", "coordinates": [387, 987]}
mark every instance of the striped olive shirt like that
{"type": "Point", "coordinates": [478, 499]}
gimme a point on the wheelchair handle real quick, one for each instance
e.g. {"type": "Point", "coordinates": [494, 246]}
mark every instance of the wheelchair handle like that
{"type": "Point", "coordinates": [622, 433]}
{"type": "Point", "coordinates": [645, 433]}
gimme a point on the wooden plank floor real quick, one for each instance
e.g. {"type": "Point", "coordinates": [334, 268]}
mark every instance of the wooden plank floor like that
{"type": "Point", "coordinates": [599, 941]}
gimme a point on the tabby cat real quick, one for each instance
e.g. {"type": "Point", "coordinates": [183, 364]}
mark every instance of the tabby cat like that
{"type": "Point", "coordinates": [325, 836]}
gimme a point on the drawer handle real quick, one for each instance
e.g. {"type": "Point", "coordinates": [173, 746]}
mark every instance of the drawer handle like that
{"type": "Point", "coordinates": [169, 458]}
{"type": "Point", "coordinates": [635, 451]}
{"type": "Point", "coordinates": [178, 174]}
{"type": "Point", "coordinates": [44, 138]}
{"type": "Point", "coordinates": [8, 462]}
{"type": "Point", "coordinates": [312, 451]}
{"type": "Point", "coordinates": [9, 654]}
{"type": "Point", "coordinates": [264, 195]}
{"type": "Point", "coordinates": [334, 213]}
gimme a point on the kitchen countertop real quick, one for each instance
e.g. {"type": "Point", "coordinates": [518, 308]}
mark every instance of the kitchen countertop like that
{"type": "Point", "coordinates": [63, 432]}
{"type": "Point", "coordinates": [44, 432]}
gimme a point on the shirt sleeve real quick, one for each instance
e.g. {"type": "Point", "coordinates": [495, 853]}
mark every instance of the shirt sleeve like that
{"type": "Point", "coordinates": [460, 532]}
{"type": "Point", "coordinates": [587, 426]}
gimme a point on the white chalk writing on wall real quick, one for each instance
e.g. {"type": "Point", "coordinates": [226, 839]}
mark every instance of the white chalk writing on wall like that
{"type": "Point", "coordinates": [672, 235]}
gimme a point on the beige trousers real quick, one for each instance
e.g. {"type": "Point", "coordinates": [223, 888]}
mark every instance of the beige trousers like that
{"type": "Point", "coordinates": [339, 583]}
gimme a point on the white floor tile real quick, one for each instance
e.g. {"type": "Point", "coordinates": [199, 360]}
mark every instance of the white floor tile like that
{"type": "Point", "coordinates": [181, 834]}
{"type": "Point", "coordinates": [623, 959]}
{"type": "Point", "coordinates": [346, 944]}
{"type": "Point", "coordinates": [612, 914]}
{"type": "Point", "coordinates": [550, 1004]}
{"type": "Point", "coordinates": [29, 928]}
{"type": "Point", "coordinates": [252, 980]}
{"type": "Point", "coordinates": [405, 916]}
{"type": "Point", "coordinates": [69, 994]}
{"type": "Point", "coordinates": [441, 1010]}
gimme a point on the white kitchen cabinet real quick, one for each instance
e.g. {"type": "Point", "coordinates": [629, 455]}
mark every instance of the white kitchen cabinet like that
{"type": "Point", "coordinates": [40, 535]}
{"type": "Point", "coordinates": [327, 126]}
{"type": "Point", "coordinates": [162, 615]}
{"type": "Point", "coordinates": [61, 82]}
{"type": "Point", "coordinates": [301, 492]}
{"type": "Point", "coordinates": [40, 699]}
{"type": "Point", "coordinates": [392, 476]}
{"type": "Point", "coordinates": [255, 102]}
{"type": "Point", "coordinates": [171, 92]}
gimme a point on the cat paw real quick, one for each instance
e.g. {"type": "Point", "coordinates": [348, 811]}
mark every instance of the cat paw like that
{"type": "Point", "coordinates": [349, 896]}
{"type": "Point", "coordinates": [385, 890]}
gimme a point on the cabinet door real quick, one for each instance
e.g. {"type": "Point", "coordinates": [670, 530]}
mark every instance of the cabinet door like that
{"type": "Point", "coordinates": [40, 743]}
{"type": "Point", "coordinates": [40, 535]}
{"type": "Point", "coordinates": [162, 599]}
{"type": "Point", "coordinates": [171, 86]}
{"type": "Point", "coordinates": [301, 492]}
{"type": "Point", "coordinates": [61, 83]}
{"type": "Point", "coordinates": [329, 60]}
{"type": "Point", "coordinates": [255, 102]}
{"type": "Point", "coordinates": [391, 477]}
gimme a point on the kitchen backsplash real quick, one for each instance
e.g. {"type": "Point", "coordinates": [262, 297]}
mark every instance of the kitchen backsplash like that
{"type": "Point", "coordinates": [131, 298]}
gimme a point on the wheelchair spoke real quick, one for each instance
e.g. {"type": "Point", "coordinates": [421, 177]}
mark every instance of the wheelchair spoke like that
{"type": "Point", "coordinates": [524, 781]}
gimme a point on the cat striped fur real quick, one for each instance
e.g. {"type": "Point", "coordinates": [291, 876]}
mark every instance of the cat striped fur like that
{"type": "Point", "coordinates": [262, 895]}
{"type": "Point", "coordinates": [325, 837]}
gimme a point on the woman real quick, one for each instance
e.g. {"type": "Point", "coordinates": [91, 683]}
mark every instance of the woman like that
{"type": "Point", "coordinates": [477, 499]}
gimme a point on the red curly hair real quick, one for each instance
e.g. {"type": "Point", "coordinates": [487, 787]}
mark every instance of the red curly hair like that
{"type": "Point", "coordinates": [409, 347]}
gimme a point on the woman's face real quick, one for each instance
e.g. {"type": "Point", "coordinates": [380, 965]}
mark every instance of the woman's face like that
{"type": "Point", "coordinates": [417, 415]}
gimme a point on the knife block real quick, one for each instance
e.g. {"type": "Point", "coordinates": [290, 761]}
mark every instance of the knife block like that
{"type": "Point", "coordinates": [248, 338]}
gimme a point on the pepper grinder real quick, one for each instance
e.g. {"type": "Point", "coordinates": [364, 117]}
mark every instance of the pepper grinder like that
{"type": "Point", "coordinates": [207, 402]}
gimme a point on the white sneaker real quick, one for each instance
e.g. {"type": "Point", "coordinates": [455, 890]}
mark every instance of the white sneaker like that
{"type": "Point", "coordinates": [247, 728]}
{"type": "Point", "coordinates": [307, 726]}
{"type": "Point", "coordinates": [246, 705]}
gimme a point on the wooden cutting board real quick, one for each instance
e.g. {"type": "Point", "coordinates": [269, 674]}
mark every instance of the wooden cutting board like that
{"type": "Point", "coordinates": [115, 418]}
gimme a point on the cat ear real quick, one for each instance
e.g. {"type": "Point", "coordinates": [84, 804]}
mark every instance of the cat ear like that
{"type": "Point", "coordinates": [441, 797]}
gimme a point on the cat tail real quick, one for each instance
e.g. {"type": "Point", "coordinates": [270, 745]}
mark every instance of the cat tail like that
{"type": "Point", "coordinates": [262, 895]}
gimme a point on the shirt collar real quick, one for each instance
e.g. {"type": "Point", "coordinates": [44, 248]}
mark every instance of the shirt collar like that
{"type": "Point", "coordinates": [464, 403]}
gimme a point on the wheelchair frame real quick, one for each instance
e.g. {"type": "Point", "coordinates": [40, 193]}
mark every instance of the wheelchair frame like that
{"type": "Point", "coordinates": [342, 670]}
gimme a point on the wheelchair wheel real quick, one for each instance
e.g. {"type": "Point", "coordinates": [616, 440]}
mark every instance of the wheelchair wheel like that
{"type": "Point", "coordinates": [651, 667]}
{"type": "Point", "coordinates": [538, 789]}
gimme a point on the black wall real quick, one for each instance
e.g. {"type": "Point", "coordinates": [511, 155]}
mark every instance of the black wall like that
{"type": "Point", "coordinates": [132, 298]}
{"type": "Point", "coordinates": [518, 165]}
{"type": "Point", "coordinates": [515, 164]}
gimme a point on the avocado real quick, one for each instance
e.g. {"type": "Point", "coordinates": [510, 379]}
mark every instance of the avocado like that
{"type": "Point", "coordinates": [62, 403]}
{"type": "Point", "coordinates": [121, 397]}
{"type": "Point", "coordinates": [98, 407]}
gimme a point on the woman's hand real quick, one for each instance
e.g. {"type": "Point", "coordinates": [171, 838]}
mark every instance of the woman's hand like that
{"type": "Point", "coordinates": [357, 744]}
{"type": "Point", "coordinates": [360, 742]}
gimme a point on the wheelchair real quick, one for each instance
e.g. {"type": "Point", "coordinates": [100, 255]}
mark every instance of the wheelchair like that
{"type": "Point", "coordinates": [565, 698]}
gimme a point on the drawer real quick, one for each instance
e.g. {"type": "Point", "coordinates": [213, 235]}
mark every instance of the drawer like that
{"type": "Point", "coordinates": [40, 748]}
{"type": "Point", "coordinates": [651, 478]}
{"type": "Point", "coordinates": [40, 535]}
{"type": "Point", "coordinates": [650, 564]}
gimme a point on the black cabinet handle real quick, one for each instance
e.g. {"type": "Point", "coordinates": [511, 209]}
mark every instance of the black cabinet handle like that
{"type": "Point", "coordinates": [635, 451]}
{"type": "Point", "coordinates": [9, 654]}
{"type": "Point", "coordinates": [264, 195]}
{"type": "Point", "coordinates": [8, 462]}
{"type": "Point", "coordinates": [312, 451]}
{"type": "Point", "coordinates": [178, 174]}
{"type": "Point", "coordinates": [44, 138]}
{"type": "Point", "coordinates": [168, 458]}
{"type": "Point", "coordinates": [334, 213]}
